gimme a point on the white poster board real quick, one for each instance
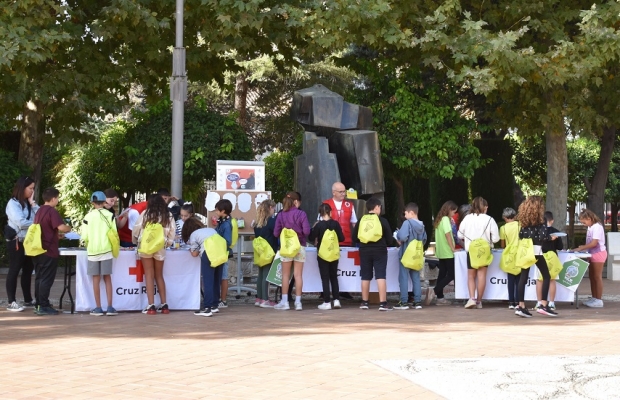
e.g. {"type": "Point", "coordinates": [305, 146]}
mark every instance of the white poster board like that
{"type": "Point", "coordinates": [240, 175]}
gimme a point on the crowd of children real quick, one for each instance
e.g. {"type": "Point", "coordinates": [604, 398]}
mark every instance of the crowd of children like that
{"type": "Point", "coordinates": [153, 229]}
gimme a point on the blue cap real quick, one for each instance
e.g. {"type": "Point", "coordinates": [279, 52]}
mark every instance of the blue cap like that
{"type": "Point", "coordinates": [98, 196]}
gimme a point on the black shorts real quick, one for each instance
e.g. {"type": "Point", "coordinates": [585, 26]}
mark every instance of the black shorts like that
{"type": "Point", "coordinates": [373, 259]}
{"type": "Point", "coordinates": [469, 262]}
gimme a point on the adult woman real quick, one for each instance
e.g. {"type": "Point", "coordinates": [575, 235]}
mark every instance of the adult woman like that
{"type": "Point", "coordinates": [292, 218]}
{"type": "Point", "coordinates": [444, 249]}
{"type": "Point", "coordinates": [532, 220]}
{"type": "Point", "coordinates": [263, 227]}
{"type": "Point", "coordinates": [20, 211]}
{"type": "Point", "coordinates": [476, 225]}
{"type": "Point", "coordinates": [595, 245]}
{"type": "Point", "coordinates": [156, 213]}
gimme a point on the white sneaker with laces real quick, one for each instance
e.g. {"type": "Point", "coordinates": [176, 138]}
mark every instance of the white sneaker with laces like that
{"type": "Point", "coordinates": [595, 303]}
{"type": "Point", "coordinates": [324, 306]}
{"type": "Point", "coordinates": [282, 306]}
{"type": "Point", "coordinates": [336, 304]}
{"type": "Point", "coordinates": [298, 306]}
{"type": "Point", "coordinates": [14, 307]}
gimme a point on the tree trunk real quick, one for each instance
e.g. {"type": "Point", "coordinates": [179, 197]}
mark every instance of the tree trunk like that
{"type": "Point", "coordinates": [571, 224]}
{"type": "Point", "coordinates": [400, 196]}
{"type": "Point", "coordinates": [557, 175]}
{"type": "Point", "coordinates": [614, 216]}
{"type": "Point", "coordinates": [241, 100]}
{"type": "Point", "coordinates": [31, 143]}
{"type": "Point", "coordinates": [596, 187]}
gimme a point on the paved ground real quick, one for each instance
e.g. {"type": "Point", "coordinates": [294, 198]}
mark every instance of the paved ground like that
{"type": "Point", "coordinates": [251, 353]}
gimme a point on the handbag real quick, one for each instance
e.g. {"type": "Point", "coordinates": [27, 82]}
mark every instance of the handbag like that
{"type": "Point", "coordinates": [9, 233]}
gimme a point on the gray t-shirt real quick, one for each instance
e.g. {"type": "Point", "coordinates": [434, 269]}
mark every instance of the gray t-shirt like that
{"type": "Point", "coordinates": [198, 237]}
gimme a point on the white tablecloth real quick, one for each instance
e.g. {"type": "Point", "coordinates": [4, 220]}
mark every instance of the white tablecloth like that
{"type": "Point", "coordinates": [496, 287]}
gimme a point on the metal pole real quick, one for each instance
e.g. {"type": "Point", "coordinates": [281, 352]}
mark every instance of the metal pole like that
{"type": "Point", "coordinates": [178, 95]}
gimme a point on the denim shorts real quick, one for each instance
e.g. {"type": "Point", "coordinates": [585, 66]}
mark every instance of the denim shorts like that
{"type": "Point", "coordinates": [225, 271]}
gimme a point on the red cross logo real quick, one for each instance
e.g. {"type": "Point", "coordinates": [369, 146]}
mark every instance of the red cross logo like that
{"type": "Point", "coordinates": [355, 255]}
{"type": "Point", "coordinates": [137, 271]}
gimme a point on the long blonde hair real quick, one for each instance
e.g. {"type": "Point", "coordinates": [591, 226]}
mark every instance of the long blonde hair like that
{"type": "Point", "coordinates": [263, 212]}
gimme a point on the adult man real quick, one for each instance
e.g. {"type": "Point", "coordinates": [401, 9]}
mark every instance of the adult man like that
{"type": "Point", "coordinates": [343, 211]}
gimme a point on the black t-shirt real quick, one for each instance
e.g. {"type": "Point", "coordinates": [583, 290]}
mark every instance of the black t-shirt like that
{"type": "Point", "coordinates": [553, 245]}
{"type": "Point", "coordinates": [387, 240]}
{"type": "Point", "coordinates": [319, 229]}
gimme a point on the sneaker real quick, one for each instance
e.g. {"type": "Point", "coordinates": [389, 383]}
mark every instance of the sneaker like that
{"type": "Point", "coordinates": [258, 302]}
{"type": "Point", "coordinates": [30, 304]}
{"type": "Point", "coordinates": [417, 305]}
{"type": "Point", "coordinates": [443, 302]}
{"type": "Point", "coordinates": [36, 310]}
{"type": "Point", "coordinates": [222, 304]}
{"type": "Point", "coordinates": [337, 304]}
{"type": "Point", "coordinates": [479, 305]}
{"type": "Point", "coordinates": [325, 306]}
{"type": "Point", "coordinates": [215, 310]}
{"type": "Point", "coordinates": [282, 306]}
{"type": "Point", "coordinates": [522, 312]}
{"type": "Point", "coordinates": [401, 306]}
{"type": "Point", "coordinates": [15, 307]}
{"type": "Point", "coordinates": [46, 311]}
{"type": "Point", "coordinates": [364, 305]}
{"type": "Point", "coordinates": [204, 313]}
{"type": "Point", "coordinates": [163, 308]}
{"type": "Point", "coordinates": [410, 301]}
{"type": "Point", "coordinates": [151, 310]}
{"type": "Point", "coordinates": [97, 312]}
{"type": "Point", "coordinates": [430, 295]}
{"type": "Point", "coordinates": [145, 309]}
{"type": "Point", "coordinates": [111, 311]}
{"type": "Point", "coordinates": [551, 305]}
{"type": "Point", "coordinates": [511, 306]}
{"type": "Point", "coordinates": [298, 306]}
{"type": "Point", "coordinates": [546, 310]}
{"type": "Point", "coordinates": [385, 307]}
{"type": "Point", "coordinates": [470, 304]}
{"type": "Point", "coordinates": [595, 303]}
{"type": "Point", "coordinates": [267, 304]}
{"type": "Point", "coordinates": [538, 306]}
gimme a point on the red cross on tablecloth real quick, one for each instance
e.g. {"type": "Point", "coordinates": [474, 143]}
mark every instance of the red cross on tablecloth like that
{"type": "Point", "coordinates": [137, 271]}
{"type": "Point", "coordinates": [355, 255]}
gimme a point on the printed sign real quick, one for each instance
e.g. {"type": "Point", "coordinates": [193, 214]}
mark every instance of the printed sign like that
{"type": "Point", "coordinates": [275, 271]}
{"type": "Point", "coordinates": [572, 273]}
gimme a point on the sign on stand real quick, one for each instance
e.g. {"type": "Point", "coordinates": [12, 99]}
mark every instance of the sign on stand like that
{"type": "Point", "coordinates": [572, 273]}
{"type": "Point", "coordinates": [275, 271]}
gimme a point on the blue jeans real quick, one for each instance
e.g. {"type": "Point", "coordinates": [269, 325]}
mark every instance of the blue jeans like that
{"type": "Point", "coordinates": [403, 281]}
{"type": "Point", "coordinates": [513, 288]}
{"type": "Point", "coordinates": [211, 278]}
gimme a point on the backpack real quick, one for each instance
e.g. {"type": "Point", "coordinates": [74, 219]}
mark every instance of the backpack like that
{"type": "Point", "coordinates": [525, 254]}
{"type": "Point", "coordinates": [553, 263]}
{"type": "Point", "coordinates": [289, 243]}
{"type": "Point", "coordinates": [330, 248]}
{"type": "Point", "coordinates": [480, 251]}
{"type": "Point", "coordinates": [508, 262]}
{"type": "Point", "coordinates": [217, 252]}
{"type": "Point", "coordinates": [263, 253]}
{"type": "Point", "coordinates": [370, 229]}
{"type": "Point", "coordinates": [235, 232]}
{"type": "Point", "coordinates": [112, 234]}
{"type": "Point", "coordinates": [153, 239]}
{"type": "Point", "coordinates": [33, 245]}
{"type": "Point", "coordinates": [413, 258]}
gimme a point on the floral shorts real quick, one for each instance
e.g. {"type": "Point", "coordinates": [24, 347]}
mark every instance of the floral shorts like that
{"type": "Point", "coordinates": [300, 257]}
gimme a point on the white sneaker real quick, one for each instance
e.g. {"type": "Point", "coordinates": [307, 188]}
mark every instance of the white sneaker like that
{"type": "Point", "coordinates": [298, 306]}
{"type": "Point", "coordinates": [595, 303]}
{"type": "Point", "coordinates": [470, 304]}
{"type": "Point", "coordinates": [336, 304]}
{"type": "Point", "coordinates": [282, 306]}
{"type": "Point", "coordinates": [324, 306]}
{"type": "Point", "coordinates": [588, 301]}
{"type": "Point", "coordinates": [15, 307]}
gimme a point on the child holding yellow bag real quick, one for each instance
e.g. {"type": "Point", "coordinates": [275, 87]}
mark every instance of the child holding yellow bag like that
{"type": "Point", "coordinates": [531, 218]}
{"type": "Point", "coordinates": [263, 228]}
{"type": "Point", "coordinates": [412, 229]}
{"type": "Point", "coordinates": [328, 269]}
{"type": "Point", "coordinates": [552, 246]}
{"type": "Point", "coordinates": [509, 235]}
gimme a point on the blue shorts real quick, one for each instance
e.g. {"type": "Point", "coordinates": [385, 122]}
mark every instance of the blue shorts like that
{"type": "Point", "coordinates": [225, 271]}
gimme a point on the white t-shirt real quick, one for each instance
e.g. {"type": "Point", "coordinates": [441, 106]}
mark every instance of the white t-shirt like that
{"type": "Point", "coordinates": [476, 226]}
{"type": "Point", "coordinates": [596, 231]}
{"type": "Point", "coordinates": [198, 237]}
{"type": "Point", "coordinates": [132, 217]}
{"type": "Point", "coordinates": [338, 205]}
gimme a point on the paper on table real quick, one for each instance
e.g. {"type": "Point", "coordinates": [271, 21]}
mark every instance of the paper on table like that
{"type": "Point", "coordinates": [72, 236]}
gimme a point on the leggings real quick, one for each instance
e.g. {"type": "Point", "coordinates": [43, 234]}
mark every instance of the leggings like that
{"type": "Point", "coordinates": [446, 275]}
{"type": "Point", "coordinates": [329, 274]}
{"type": "Point", "coordinates": [18, 260]}
{"type": "Point", "coordinates": [262, 286]}
{"type": "Point", "coordinates": [544, 271]}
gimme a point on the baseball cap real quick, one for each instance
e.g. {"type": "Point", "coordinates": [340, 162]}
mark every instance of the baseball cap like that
{"type": "Point", "coordinates": [98, 196]}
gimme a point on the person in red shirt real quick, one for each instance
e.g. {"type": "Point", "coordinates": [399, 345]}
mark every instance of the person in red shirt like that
{"type": "Point", "coordinates": [46, 264]}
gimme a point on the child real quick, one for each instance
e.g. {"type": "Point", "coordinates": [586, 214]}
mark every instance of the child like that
{"type": "Point", "coordinates": [444, 251]}
{"type": "Point", "coordinates": [292, 218]}
{"type": "Point", "coordinates": [46, 264]}
{"type": "Point", "coordinates": [373, 257]}
{"type": "Point", "coordinates": [532, 220]}
{"type": "Point", "coordinates": [187, 211]}
{"type": "Point", "coordinates": [476, 225]}
{"type": "Point", "coordinates": [95, 228]}
{"type": "Point", "coordinates": [263, 227]}
{"type": "Point", "coordinates": [509, 234]}
{"type": "Point", "coordinates": [327, 269]}
{"type": "Point", "coordinates": [412, 229]}
{"type": "Point", "coordinates": [554, 245]}
{"type": "Point", "coordinates": [223, 208]}
{"type": "Point", "coordinates": [194, 234]}
{"type": "Point", "coordinates": [595, 245]}
{"type": "Point", "coordinates": [156, 213]}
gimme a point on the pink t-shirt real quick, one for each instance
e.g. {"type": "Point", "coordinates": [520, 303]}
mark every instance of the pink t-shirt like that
{"type": "Point", "coordinates": [596, 231]}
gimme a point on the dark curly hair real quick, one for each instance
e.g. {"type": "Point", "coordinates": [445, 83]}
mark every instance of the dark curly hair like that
{"type": "Point", "coordinates": [531, 212]}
